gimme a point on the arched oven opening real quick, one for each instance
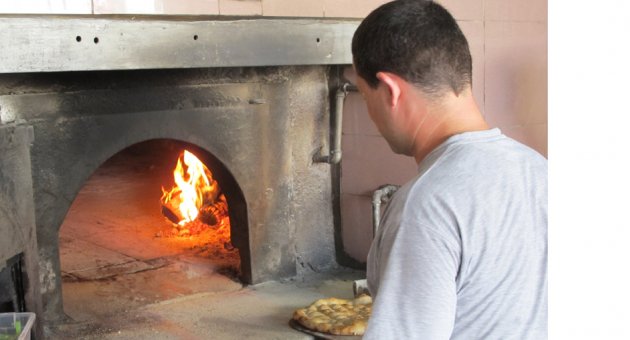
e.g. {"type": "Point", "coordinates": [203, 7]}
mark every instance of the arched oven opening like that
{"type": "Point", "coordinates": [158, 220]}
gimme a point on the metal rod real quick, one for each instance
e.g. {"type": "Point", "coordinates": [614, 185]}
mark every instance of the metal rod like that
{"type": "Point", "coordinates": [334, 157]}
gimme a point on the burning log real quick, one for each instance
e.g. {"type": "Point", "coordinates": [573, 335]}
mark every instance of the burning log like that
{"type": "Point", "coordinates": [170, 214]}
{"type": "Point", "coordinates": [195, 202]}
{"type": "Point", "coordinates": [212, 214]}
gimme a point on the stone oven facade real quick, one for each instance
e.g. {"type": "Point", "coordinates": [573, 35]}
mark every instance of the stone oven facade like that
{"type": "Point", "coordinates": [257, 127]}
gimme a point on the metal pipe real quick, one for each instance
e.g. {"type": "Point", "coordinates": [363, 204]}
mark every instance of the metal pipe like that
{"type": "Point", "coordinates": [382, 195]}
{"type": "Point", "coordinates": [334, 157]}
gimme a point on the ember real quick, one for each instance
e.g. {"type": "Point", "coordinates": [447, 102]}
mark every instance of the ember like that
{"type": "Point", "coordinates": [195, 203]}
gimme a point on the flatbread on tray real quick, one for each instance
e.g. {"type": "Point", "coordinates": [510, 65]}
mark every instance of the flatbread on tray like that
{"type": "Point", "coordinates": [336, 316]}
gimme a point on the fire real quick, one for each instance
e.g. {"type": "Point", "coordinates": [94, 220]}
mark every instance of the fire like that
{"type": "Point", "coordinates": [195, 194]}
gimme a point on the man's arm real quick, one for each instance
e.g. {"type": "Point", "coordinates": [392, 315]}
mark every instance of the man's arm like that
{"type": "Point", "coordinates": [417, 297]}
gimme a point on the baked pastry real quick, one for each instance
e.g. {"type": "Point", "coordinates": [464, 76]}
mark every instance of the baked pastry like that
{"type": "Point", "coordinates": [336, 316]}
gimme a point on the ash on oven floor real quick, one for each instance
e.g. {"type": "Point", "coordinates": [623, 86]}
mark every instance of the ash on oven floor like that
{"type": "Point", "coordinates": [253, 312]}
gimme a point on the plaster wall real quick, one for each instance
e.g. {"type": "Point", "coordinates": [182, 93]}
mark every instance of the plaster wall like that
{"type": "Point", "coordinates": [13, 228]}
{"type": "Point", "coordinates": [16, 207]}
{"type": "Point", "coordinates": [17, 215]}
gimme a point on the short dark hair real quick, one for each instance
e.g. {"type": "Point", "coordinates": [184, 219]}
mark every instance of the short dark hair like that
{"type": "Point", "coordinates": [417, 40]}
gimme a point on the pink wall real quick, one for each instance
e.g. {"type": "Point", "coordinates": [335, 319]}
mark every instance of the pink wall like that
{"type": "Point", "coordinates": [294, 8]}
{"type": "Point", "coordinates": [508, 41]}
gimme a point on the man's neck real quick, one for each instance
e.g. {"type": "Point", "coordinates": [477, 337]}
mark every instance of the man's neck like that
{"type": "Point", "coordinates": [450, 116]}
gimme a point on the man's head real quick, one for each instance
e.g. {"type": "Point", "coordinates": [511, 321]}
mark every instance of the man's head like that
{"type": "Point", "coordinates": [415, 71]}
{"type": "Point", "coordinates": [417, 40]}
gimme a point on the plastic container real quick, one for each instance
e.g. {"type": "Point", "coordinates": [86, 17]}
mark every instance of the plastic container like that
{"type": "Point", "coordinates": [16, 326]}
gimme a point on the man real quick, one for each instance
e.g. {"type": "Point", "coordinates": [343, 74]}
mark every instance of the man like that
{"type": "Point", "coordinates": [462, 248]}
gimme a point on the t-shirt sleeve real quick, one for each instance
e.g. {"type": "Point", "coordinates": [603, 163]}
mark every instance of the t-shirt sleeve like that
{"type": "Point", "coordinates": [417, 292]}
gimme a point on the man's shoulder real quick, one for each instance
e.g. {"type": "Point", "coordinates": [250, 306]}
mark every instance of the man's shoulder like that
{"type": "Point", "coordinates": [471, 169]}
{"type": "Point", "coordinates": [483, 157]}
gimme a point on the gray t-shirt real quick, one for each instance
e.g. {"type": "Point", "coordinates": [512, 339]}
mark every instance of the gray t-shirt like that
{"type": "Point", "coordinates": [462, 248]}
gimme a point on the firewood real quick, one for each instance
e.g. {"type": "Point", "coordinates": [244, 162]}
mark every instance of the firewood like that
{"type": "Point", "coordinates": [211, 195]}
{"type": "Point", "coordinates": [213, 209]}
{"type": "Point", "coordinates": [212, 214]}
{"type": "Point", "coordinates": [171, 212]}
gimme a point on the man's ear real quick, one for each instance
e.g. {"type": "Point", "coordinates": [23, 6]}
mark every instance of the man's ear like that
{"type": "Point", "coordinates": [391, 82]}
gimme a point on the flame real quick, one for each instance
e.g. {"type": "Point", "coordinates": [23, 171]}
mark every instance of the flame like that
{"type": "Point", "coordinates": [194, 185]}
